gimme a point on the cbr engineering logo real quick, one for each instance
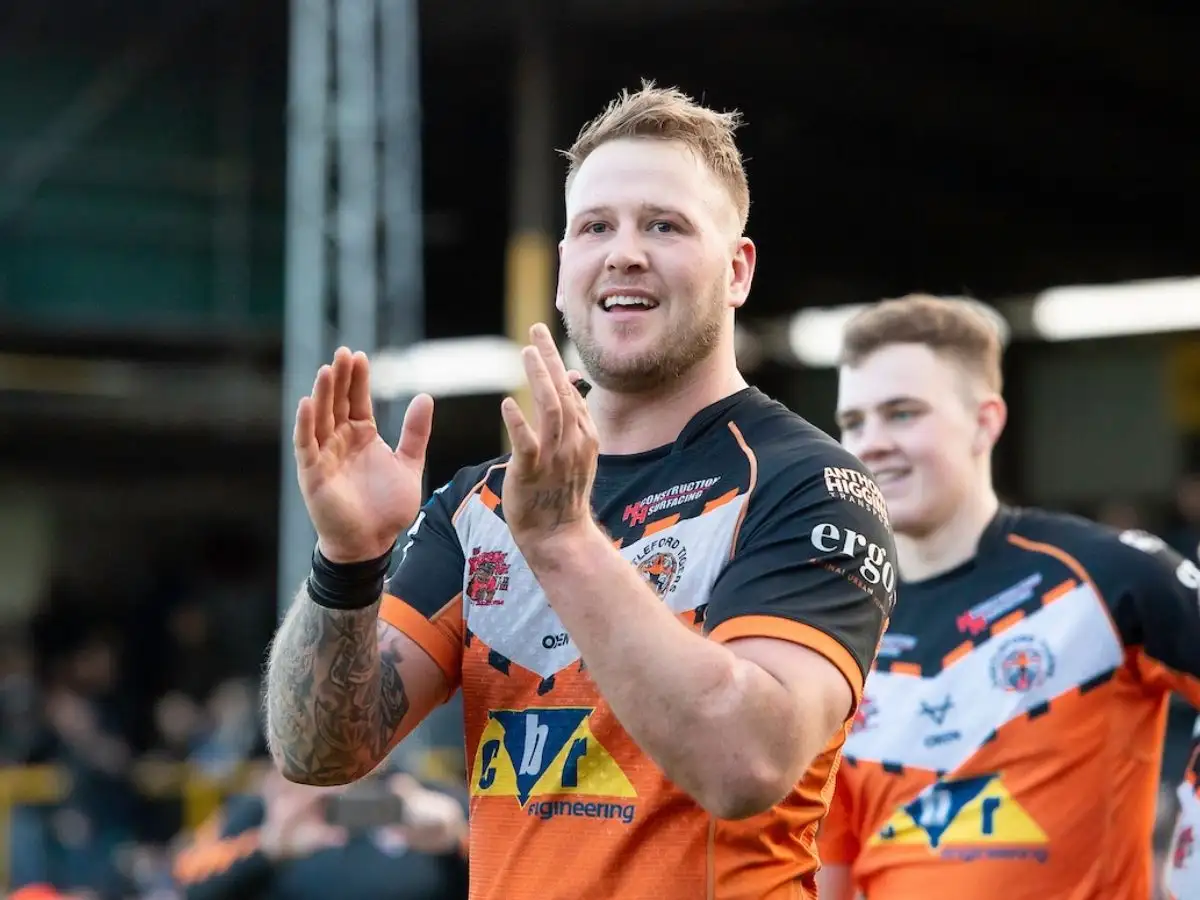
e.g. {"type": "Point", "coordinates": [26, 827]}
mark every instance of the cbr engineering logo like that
{"type": "Point", "coordinates": [549, 760]}
{"type": "Point", "coordinates": [971, 818]}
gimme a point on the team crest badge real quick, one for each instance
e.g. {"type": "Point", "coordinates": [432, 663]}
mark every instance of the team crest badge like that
{"type": "Point", "coordinates": [661, 563]}
{"type": "Point", "coordinates": [487, 577]}
{"type": "Point", "coordinates": [1022, 664]}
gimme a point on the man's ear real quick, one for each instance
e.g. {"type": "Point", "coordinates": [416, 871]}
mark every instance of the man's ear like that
{"type": "Point", "coordinates": [558, 291]}
{"type": "Point", "coordinates": [990, 421]}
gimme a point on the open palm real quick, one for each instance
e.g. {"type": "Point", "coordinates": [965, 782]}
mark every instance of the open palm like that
{"type": "Point", "coordinates": [359, 492]}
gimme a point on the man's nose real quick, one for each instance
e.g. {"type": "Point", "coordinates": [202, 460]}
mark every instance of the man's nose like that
{"type": "Point", "coordinates": [626, 252]}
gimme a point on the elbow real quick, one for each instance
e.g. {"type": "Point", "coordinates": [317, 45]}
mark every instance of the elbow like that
{"type": "Point", "coordinates": [317, 778]}
{"type": "Point", "coordinates": [297, 772]}
{"type": "Point", "coordinates": [749, 792]}
{"type": "Point", "coordinates": [758, 768]}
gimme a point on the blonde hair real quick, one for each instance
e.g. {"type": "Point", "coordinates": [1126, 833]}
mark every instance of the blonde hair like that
{"type": "Point", "coordinates": [668, 114]}
{"type": "Point", "coordinates": [958, 329]}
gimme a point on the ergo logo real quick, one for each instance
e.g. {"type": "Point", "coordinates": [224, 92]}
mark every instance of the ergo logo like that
{"type": "Point", "coordinates": [876, 568]}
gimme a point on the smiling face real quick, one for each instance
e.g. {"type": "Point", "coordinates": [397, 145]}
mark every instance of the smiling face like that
{"type": "Point", "coordinates": [923, 426]}
{"type": "Point", "coordinates": [652, 264]}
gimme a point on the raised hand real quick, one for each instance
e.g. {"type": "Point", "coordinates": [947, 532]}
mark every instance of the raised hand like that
{"type": "Point", "coordinates": [548, 483]}
{"type": "Point", "coordinates": [360, 493]}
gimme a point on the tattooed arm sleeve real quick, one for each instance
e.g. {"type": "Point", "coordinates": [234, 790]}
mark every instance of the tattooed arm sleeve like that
{"type": "Point", "coordinates": [343, 687]}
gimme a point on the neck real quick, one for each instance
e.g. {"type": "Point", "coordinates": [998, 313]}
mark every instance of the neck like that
{"type": "Point", "coordinates": [952, 542]}
{"type": "Point", "coordinates": [635, 423]}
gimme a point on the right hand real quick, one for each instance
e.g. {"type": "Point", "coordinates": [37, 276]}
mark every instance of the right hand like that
{"type": "Point", "coordinates": [360, 493]}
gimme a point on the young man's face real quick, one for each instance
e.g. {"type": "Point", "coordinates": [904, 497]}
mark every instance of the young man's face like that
{"type": "Point", "coordinates": [908, 414]}
{"type": "Point", "coordinates": [648, 222]}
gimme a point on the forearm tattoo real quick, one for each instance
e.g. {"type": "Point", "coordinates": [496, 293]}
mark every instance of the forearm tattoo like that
{"type": "Point", "coordinates": [334, 694]}
{"type": "Point", "coordinates": [560, 500]}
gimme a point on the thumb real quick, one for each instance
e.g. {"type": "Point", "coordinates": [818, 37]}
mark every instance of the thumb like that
{"type": "Point", "coordinates": [414, 433]}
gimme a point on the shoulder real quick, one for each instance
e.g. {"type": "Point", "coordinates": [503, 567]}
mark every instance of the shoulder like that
{"type": "Point", "coordinates": [804, 472]}
{"type": "Point", "coordinates": [791, 454]}
{"type": "Point", "coordinates": [771, 430]}
{"type": "Point", "coordinates": [1060, 534]}
{"type": "Point", "coordinates": [1109, 556]}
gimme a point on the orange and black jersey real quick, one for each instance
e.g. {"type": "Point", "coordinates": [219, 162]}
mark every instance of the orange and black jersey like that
{"type": "Point", "coordinates": [752, 523]}
{"type": "Point", "coordinates": [1009, 741]}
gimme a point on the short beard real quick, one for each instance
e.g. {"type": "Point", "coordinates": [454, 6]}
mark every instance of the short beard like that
{"type": "Point", "coordinates": [649, 371]}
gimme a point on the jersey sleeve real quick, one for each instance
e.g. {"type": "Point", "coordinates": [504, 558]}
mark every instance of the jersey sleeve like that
{"type": "Point", "coordinates": [1157, 611]}
{"type": "Point", "coordinates": [423, 593]}
{"type": "Point", "coordinates": [811, 565]}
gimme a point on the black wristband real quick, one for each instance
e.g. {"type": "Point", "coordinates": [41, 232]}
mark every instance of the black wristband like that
{"type": "Point", "coordinates": [347, 586]}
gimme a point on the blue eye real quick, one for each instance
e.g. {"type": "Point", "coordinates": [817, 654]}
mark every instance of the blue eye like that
{"type": "Point", "coordinates": [659, 226]}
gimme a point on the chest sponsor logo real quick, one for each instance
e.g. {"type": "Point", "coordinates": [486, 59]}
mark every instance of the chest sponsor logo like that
{"type": "Point", "coordinates": [976, 620]}
{"type": "Point", "coordinates": [637, 513]}
{"type": "Point", "coordinates": [1021, 664]}
{"type": "Point", "coordinates": [937, 713]}
{"type": "Point", "coordinates": [857, 488]}
{"type": "Point", "coordinates": [661, 563]}
{"type": "Point", "coordinates": [966, 819]}
{"type": "Point", "coordinates": [548, 761]}
{"type": "Point", "coordinates": [487, 577]}
{"type": "Point", "coordinates": [874, 570]}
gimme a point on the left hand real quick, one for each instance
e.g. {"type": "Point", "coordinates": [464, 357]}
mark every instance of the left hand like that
{"type": "Point", "coordinates": [548, 484]}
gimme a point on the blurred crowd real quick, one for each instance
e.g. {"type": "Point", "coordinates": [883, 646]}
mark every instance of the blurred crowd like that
{"type": "Point", "coordinates": [105, 695]}
{"type": "Point", "coordinates": [123, 701]}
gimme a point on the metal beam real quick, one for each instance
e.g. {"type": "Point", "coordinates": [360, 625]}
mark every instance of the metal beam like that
{"type": "Point", "coordinates": [401, 314]}
{"type": "Point", "coordinates": [305, 342]}
{"type": "Point", "coordinates": [529, 294]}
{"type": "Point", "coordinates": [356, 121]}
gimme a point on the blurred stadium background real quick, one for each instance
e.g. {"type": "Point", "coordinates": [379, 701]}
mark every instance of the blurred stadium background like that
{"type": "Point", "coordinates": [199, 200]}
